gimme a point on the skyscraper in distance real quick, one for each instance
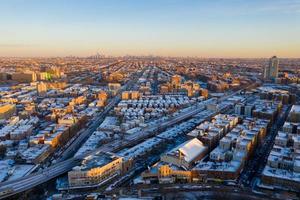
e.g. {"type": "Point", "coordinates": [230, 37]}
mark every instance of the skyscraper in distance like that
{"type": "Point", "coordinates": [271, 70]}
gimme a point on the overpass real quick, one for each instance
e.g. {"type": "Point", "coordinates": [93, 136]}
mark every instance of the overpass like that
{"type": "Point", "coordinates": [13, 187]}
{"type": "Point", "coordinates": [71, 150]}
{"type": "Point", "coordinates": [10, 188]}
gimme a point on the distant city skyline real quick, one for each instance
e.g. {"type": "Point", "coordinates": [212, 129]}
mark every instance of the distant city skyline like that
{"type": "Point", "coordinates": [222, 28]}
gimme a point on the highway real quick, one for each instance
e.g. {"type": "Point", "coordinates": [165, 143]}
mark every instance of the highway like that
{"type": "Point", "coordinates": [254, 85]}
{"type": "Point", "coordinates": [147, 132]}
{"type": "Point", "coordinates": [84, 135]}
{"type": "Point", "coordinates": [71, 150]}
{"type": "Point", "coordinates": [28, 182]}
{"type": "Point", "coordinates": [9, 188]}
{"type": "Point", "coordinates": [25, 183]}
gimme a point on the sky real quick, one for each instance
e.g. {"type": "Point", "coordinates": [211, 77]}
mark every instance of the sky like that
{"type": "Point", "coordinates": [202, 28]}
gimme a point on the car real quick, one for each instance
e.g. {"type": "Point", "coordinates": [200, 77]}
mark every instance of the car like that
{"type": "Point", "coordinates": [6, 191]}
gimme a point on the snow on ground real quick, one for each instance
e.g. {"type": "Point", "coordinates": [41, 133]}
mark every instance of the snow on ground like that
{"type": "Point", "coordinates": [5, 166]}
{"type": "Point", "coordinates": [20, 171]}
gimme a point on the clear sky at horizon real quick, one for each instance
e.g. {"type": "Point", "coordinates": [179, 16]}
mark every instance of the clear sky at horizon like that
{"type": "Point", "coordinates": [204, 28]}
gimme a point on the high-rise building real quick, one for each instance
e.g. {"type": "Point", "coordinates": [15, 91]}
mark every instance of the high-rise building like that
{"type": "Point", "coordinates": [176, 81]}
{"type": "Point", "coordinates": [41, 88]}
{"type": "Point", "coordinates": [271, 70]}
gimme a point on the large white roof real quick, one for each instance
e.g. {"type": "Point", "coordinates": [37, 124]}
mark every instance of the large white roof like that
{"type": "Point", "coordinates": [191, 149]}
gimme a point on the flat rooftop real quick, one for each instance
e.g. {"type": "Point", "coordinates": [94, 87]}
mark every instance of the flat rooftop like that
{"type": "Point", "coordinates": [98, 159]}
